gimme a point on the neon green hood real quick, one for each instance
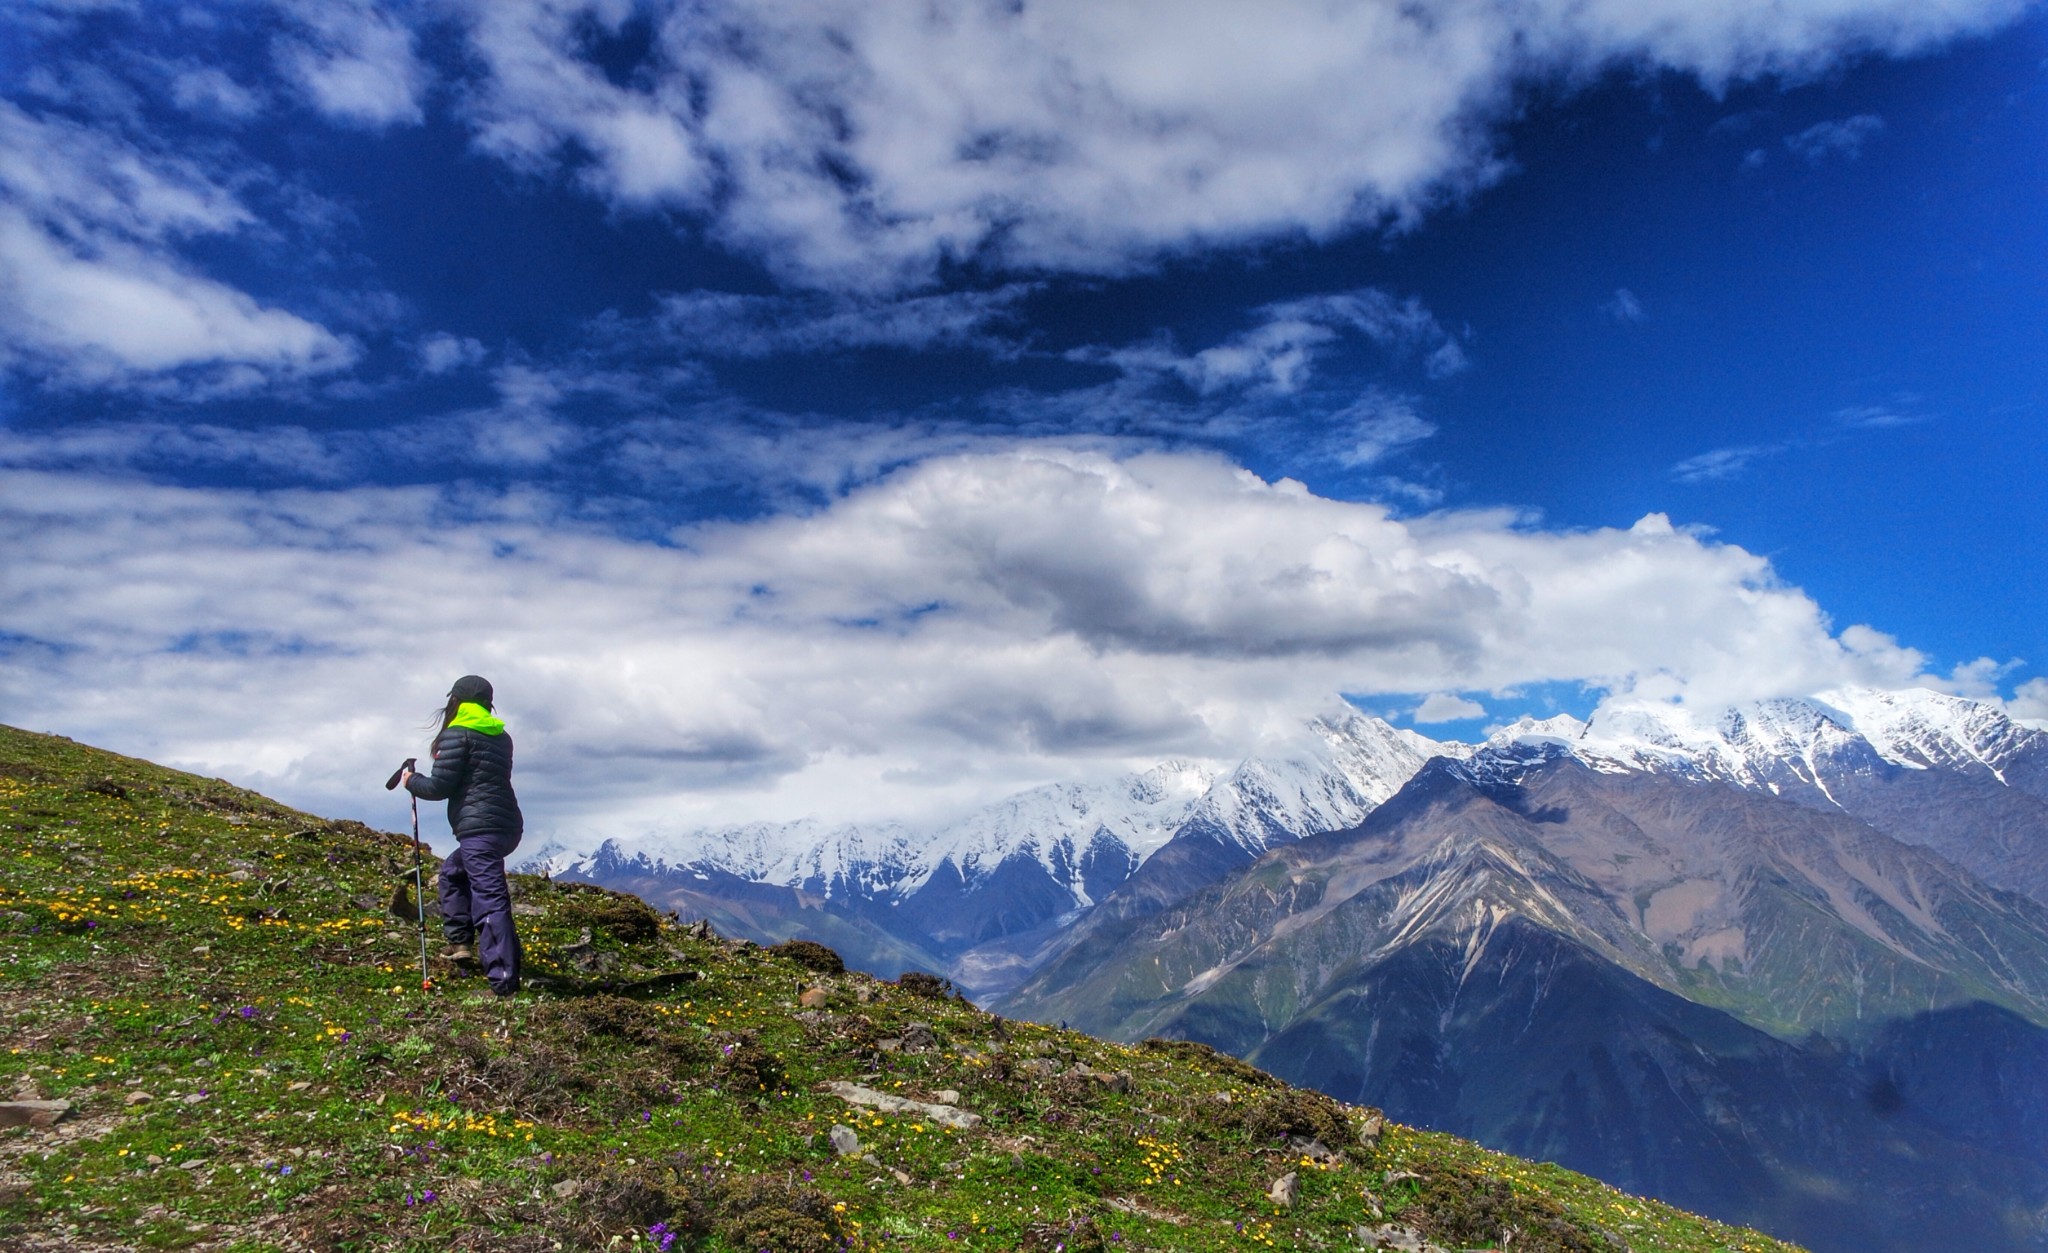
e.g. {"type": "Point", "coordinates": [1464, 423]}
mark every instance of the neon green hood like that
{"type": "Point", "coordinates": [476, 718]}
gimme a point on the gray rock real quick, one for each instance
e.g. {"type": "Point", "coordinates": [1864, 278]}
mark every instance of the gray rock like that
{"type": "Point", "coordinates": [1285, 1189]}
{"type": "Point", "coordinates": [32, 1113]}
{"type": "Point", "coordinates": [139, 1097]}
{"type": "Point", "coordinates": [583, 954]}
{"type": "Point", "coordinates": [947, 1096]}
{"type": "Point", "coordinates": [845, 1141]}
{"type": "Point", "coordinates": [918, 1037]}
{"type": "Point", "coordinates": [1397, 1238]}
{"type": "Point", "coordinates": [946, 1115]}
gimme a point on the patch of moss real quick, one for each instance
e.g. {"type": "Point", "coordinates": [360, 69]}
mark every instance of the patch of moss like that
{"type": "Point", "coordinates": [811, 955]}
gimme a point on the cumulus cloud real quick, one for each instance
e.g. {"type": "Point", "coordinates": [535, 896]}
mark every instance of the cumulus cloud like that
{"type": "Point", "coordinates": [861, 145]}
{"type": "Point", "coordinates": [1843, 138]}
{"type": "Point", "coordinates": [2029, 704]}
{"type": "Point", "coordinates": [91, 287]}
{"type": "Point", "coordinates": [441, 352]}
{"type": "Point", "coordinates": [1447, 707]}
{"type": "Point", "coordinates": [1040, 611]}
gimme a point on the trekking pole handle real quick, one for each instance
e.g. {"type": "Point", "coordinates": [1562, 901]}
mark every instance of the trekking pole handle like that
{"type": "Point", "coordinates": [399, 773]}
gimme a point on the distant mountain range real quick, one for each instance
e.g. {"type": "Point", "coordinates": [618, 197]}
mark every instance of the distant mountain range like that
{"type": "Point", "coordinates": [1787, 965]}
{"type": "Point", "coordinates": [977, 897]}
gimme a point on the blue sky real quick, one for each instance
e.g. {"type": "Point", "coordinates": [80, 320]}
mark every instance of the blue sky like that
{"type": "Point", "coordinates": [805, 407]}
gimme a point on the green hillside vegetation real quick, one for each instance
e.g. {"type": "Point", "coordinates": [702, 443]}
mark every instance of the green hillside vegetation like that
{"type": "Point", "coordinates": [217, 987]}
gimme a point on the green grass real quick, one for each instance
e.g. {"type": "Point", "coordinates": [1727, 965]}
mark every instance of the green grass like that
{"type": "Point", "coordinates": [234, 960]}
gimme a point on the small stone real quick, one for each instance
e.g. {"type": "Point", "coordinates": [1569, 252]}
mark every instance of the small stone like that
{"type": "Point", "coordinates": [1285, 1189]}
{"type": "Point", "coordinates": [154, 1160]}
{"type": "Point", "coordinates": [193, 1098]}
{"type": "Point", "coordinates": [947, 1096]}
{"type": "Point", "coordinates": [193, 1164]}
{"type": "Point", "coordinates": [845, 1141]}
{"type": "Point", "coordinates": [139, 1097]}
{"type": "Point", "coordinates": [567, 1188]}
{"type": "Point", "coordinates": [32, 1113]}
{"type": "Point", "coordinates": [1396, 1237]}
{"type": "Point", "coordinates": [813, 998]}
{"type": "Point", "coordinates": [1311, 1148]}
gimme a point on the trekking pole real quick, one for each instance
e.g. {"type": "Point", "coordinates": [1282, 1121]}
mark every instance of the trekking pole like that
{"type": "Point", "coordinates": [419, 887]}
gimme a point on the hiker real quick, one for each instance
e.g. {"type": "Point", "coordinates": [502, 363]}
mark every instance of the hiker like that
{"type": "Point", "coordinates": [473, 773]}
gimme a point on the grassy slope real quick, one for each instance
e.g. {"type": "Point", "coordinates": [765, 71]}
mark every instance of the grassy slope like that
{"type": "Point", "coordinates": [176, 936]}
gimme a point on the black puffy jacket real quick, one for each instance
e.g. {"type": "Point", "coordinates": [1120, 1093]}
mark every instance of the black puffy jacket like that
{"type": "Point", "coordinates": [473, 773]}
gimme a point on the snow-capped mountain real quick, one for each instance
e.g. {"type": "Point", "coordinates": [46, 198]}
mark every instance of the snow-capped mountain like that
{"type": "Point", "coordinates": [1029, 860]}
{"type": "Point", "coordinates": [1755, 963]}
{"type": "Point", "coordinates": [995, 893]}
{"type": "Point", "coordinates": [1791, 746]}
{"type": "Point", "coordinates": [1954, 775]}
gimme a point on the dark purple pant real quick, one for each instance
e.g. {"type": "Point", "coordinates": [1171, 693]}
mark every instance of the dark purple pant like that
{"type": "Point", "coordinates": [476, 905]}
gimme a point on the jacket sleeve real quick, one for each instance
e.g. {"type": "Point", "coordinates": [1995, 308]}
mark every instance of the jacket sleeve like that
{"type": "Point", "coordinates": [451, 768]}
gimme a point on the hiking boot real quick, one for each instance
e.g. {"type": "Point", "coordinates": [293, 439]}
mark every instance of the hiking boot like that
{"type": "Point", "coordinates": [460, 954]}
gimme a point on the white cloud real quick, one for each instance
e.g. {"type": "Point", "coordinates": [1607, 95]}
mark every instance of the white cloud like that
{"type": "Point", "coordinates": [442, 352]}
{"type": "Point", "coordinates": [1843, 138]}
{"type": "Point", "coordinates": [1375, 426]}
{"type": "Point", "coordinates": [1723, 463]}
{"type": "Point", "coordinates": [90, 286]}
{"type": "Point", "coordinates": [2029, 704]}
{"type": "Point", "coordinates": [1447, 707]}
{"type": "Point", "coordinates": [354, 62]}
{"type": "Point", "coordinates": [1278, 355]}
{"type": "Point", "coordinates": [209, 92]}
{"type": "Point", "coordinates": [122, 310]}
{"type": "Point", "coordinates": [1624, 306]}
{"type": "Point", "coordinates": [860, 145]}
{"type": "Point", "coordinates": [725, 324]}
{"type": "Point", "coordinates": [1041, 611]}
